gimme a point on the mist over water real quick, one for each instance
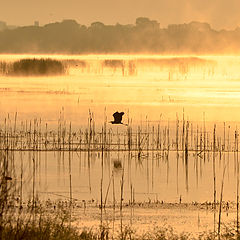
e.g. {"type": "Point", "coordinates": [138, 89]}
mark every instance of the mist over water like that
{"type": "Point", "coordinates": [180, 130]}
{"type": "Point", "coordinates": [138, 85]}
{"type": "Point", "coordinates": [147, 88]}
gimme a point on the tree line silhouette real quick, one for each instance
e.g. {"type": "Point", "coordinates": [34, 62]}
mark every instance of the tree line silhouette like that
{"type": "Point", "coordinates": [145, 36]}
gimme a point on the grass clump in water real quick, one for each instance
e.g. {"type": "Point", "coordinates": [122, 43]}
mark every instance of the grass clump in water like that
{"type": "Point", "coordinates": [117, 164]}
{"type": "Point", "coordinates": [37, 67]}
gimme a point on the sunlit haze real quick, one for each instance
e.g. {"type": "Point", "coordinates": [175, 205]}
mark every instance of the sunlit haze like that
{"type": "Point", "coordinates": [219, 13]}
{"type": "Point", "coordinates": [119, 119]}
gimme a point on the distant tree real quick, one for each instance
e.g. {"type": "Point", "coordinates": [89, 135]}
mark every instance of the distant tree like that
{"type": "Point", "coordinates": [144, 22]}
{"type": "Point", "coordinates": [145, 35]}
{"type": "Point", "coordinates": [198, 26]}
{"type": "Point", "coordinates": [97, 25]}
{"type": "Point", "coordinates": [3, 25]}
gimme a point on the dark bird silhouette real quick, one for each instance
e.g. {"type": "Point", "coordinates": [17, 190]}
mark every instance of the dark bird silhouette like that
{"type": "Point", "coordinates": [117, 118]}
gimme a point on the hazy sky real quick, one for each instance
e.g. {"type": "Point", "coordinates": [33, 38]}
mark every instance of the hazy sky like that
{"type": "Point", "coordinates": [219, 13]}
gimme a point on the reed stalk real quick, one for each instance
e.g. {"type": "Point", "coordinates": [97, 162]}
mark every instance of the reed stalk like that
{"type": "Point", "coordinates": [220, 205]}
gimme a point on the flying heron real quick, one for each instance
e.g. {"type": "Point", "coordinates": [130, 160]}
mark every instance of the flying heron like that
{"type": "Point", "coordinates": [118, 118]}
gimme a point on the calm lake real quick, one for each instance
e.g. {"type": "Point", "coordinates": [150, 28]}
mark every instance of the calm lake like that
{"type": "Point", "coordinates": [148, 89]}
{"type": "Point", "coordinates": [140, 86]}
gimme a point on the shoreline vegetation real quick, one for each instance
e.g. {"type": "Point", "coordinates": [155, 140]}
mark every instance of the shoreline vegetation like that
{"type": "Point", "coordinates": [38, 224]}
{"type": "Point", "coordinates": [54, 220]}
{"type": "Point", "coordinates": [145, 36]}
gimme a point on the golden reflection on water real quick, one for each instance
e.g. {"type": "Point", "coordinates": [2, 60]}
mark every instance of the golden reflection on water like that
{"type": "Point", "coordinates": [159, 85]}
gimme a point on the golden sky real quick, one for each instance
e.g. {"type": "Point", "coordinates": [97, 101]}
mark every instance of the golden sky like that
{"type": "Point", "coordinates": [219, 13]}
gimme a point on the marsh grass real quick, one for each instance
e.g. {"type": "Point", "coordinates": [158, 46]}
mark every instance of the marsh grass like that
{"type": "Point", "coordinates": [113, 63]}
{"type": "Point", "coordinates": [37, 67]}
{"type": "Point", "coordinates": [183, 66]}
{"type": "Point", "coordinates": [33, 67]}
{"type": "Point", "coordinates": [44, 227]}
{"type": "Point", "coordinates": [47, 228]}
{"type": "Point", "coordinates": [28, 135]}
